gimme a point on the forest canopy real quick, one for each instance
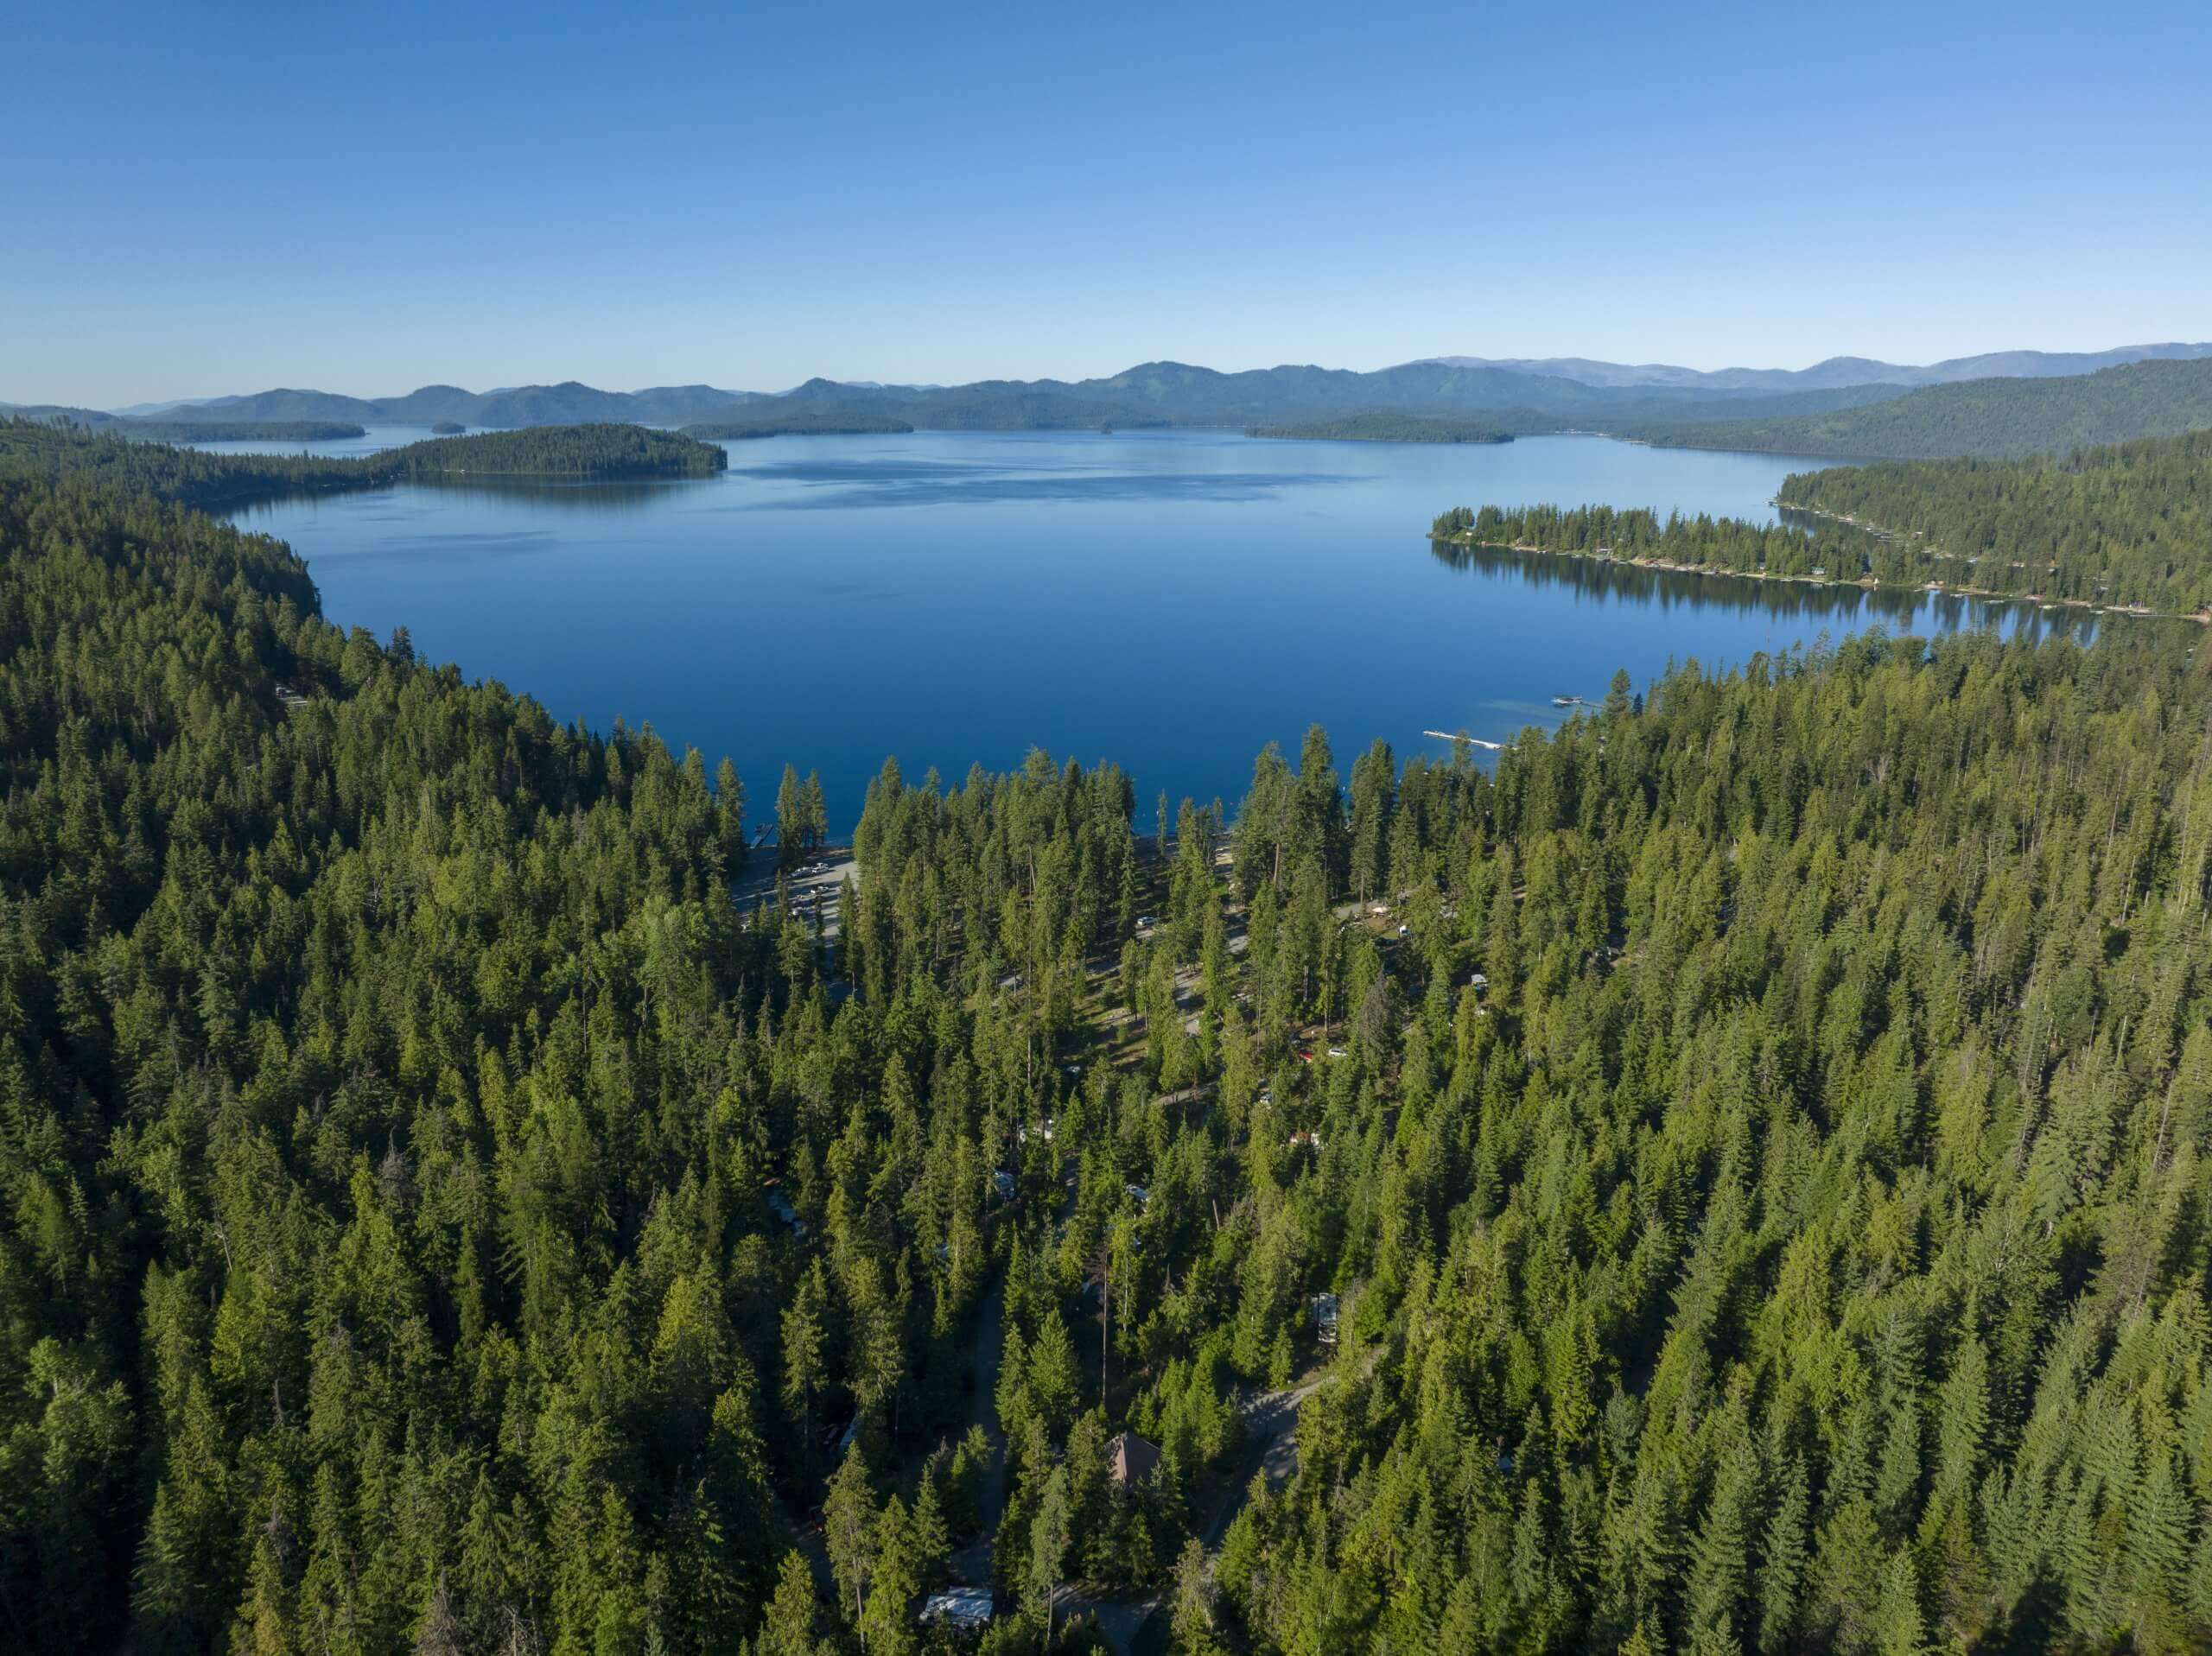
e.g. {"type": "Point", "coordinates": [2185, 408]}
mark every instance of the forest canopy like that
{"type": "Point", "coordinates": [1747, 1189]}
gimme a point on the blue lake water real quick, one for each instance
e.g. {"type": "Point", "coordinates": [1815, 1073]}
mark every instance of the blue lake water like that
{"type": "Point", "coordinates": [1171, 601]}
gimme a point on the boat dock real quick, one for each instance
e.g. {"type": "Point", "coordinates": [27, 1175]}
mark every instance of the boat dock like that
{"type": "Point", "coordinates": [1471, 741]}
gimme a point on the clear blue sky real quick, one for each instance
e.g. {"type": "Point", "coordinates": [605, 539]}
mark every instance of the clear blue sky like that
{"type": "Point", "coordinates": [197, 200]}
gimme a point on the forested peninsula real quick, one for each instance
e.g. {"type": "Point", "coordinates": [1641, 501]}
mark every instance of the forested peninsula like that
{"type": "Point", "coordinates": [1382, 426]}
{"type": "Point", "coordinates": [1748, 1188]}
{"type": "Point", "coordinates": [194, 477]}
{"type": "Point", "coordinates": [2127, 526]}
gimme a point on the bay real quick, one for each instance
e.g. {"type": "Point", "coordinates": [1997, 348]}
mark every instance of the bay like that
{"type": "Point", "coordinates": [1170, 601]}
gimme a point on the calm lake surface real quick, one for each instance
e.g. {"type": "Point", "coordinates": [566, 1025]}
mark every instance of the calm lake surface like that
{"type": "Point", "coordinates": [1170, 601]}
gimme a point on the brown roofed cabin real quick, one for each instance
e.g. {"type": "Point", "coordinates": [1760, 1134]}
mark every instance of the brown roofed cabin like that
{"type": "Point", "coordinates": [1130, 1460]}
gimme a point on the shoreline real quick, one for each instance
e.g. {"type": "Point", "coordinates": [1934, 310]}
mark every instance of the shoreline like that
{"type": "Point", "coordinates": [1865, 583]}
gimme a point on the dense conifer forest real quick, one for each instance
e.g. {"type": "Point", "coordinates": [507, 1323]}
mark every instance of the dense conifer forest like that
{"type": "Point", "coordinates": [2129, 525]}
{"type": "Point", "coordinates": [1730, 1178]}
{"type": "Point", "coordinates": [2133, 520]}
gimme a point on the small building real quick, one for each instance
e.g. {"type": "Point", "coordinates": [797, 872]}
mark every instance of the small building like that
{"type": "Point", "coordinates": [965, 1609]}
{"type": "Point", "coordinates": [1304, 1140]}
{"type": "Point", "coordinates": [1130, 1460]}
{"type": "Point", "coordinates": [1324, 1317]}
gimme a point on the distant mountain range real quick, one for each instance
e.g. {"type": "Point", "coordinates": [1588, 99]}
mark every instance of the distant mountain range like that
{"type": "Point", "coordinates": [1836, 370]}
{"type": "Point", "coordinates": [1989, 419]}
{"type": "Point", "coordinates": [1515, 395]}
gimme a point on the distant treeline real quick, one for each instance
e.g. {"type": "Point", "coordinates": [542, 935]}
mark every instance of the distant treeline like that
{"type": "Point", "coordinates": [591, 451]}
{"type": "Point", "coordinates": [1984, 418]}
{"type": "Point", "coordinates": [2130, 525]}
{"type": "Point", "coordinates": [1384, 426]}
{"type": "Point", "coordinates": [31, 448]}
{"type": "Point", "coordinates": [808, 423]}
{"type": "Point", "coordinates": [217, 431]}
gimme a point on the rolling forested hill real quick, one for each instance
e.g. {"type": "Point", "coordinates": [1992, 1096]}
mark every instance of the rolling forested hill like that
{"type": "Point", "coordinates": [1755, 1175]}
{"type": "Point", "coordinates": [1987, 418]}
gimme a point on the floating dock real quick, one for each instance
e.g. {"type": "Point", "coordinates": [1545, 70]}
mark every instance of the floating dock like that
{"type": "Point", "coordinates": [1471, 741]}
